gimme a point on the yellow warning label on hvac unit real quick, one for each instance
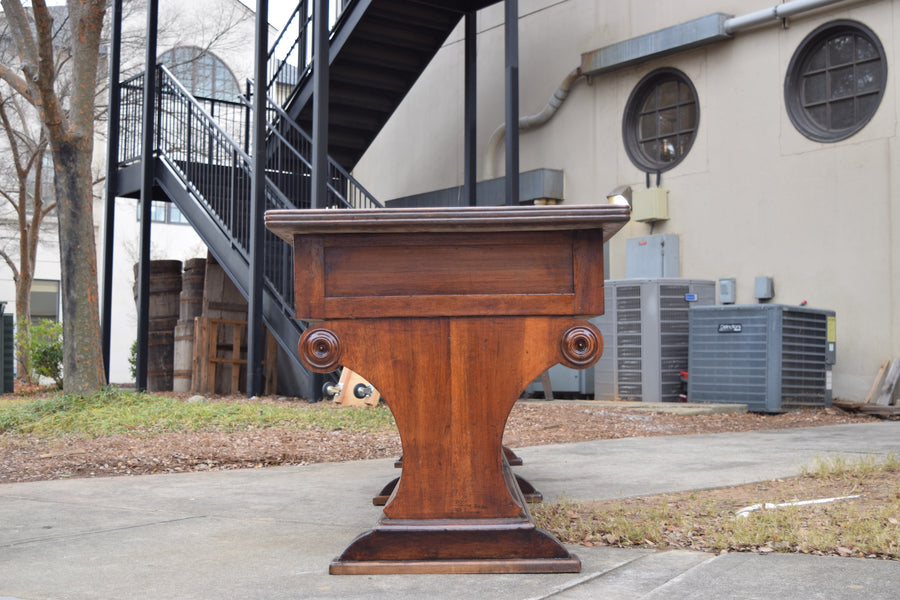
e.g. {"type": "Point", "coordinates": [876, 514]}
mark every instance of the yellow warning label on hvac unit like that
{"type": "Point", "coordinates": [832, 329]}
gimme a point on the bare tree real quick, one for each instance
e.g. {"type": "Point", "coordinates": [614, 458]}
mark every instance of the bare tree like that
{"type": "Point", "coordinates": [50, 58]}
{"type": "Point", "coordinates": [22, 186]}
{"type": "Point", "coordinates": [60, 81]}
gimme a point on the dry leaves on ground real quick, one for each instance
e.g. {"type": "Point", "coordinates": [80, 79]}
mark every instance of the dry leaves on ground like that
{"type": "Point", "coordinates": [530, 424]}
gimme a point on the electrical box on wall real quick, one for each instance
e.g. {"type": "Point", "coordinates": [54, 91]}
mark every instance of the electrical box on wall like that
{"type": "Point", "coordinates": [763, 288]}
{"type": "Point", "coordinates": [652, 256]}
{"type": "Point", "coordinates": [650, 205]}
{"type": "Point", "coordinates": [727, 291]}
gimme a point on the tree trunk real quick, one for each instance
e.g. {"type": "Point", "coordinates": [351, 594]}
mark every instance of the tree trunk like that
{"type": "Point", "coordinates": [25, 276]}
{"type": "Point", "coordinates": [82, 360]}
{"type": "Point", "coordinates": [23, 320]}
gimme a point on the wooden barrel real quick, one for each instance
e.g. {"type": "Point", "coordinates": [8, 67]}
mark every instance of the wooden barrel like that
{"type": "Point", "coordinates": [159, 360]}
{"type": "Point", "coordinates": [192, 289]}
{"type": "Point", "coordinates": [191, 306]}
{"type": "Point", "coordinates": [183, 358]}
{"type": "Point", "coordinates": [165, 288]}
{"type": "Point", "coordinates": [165, 291]}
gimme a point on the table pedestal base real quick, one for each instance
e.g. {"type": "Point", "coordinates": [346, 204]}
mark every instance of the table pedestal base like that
{"type": "Point", "coordinates": [429, 546]}
{"type": "Point", "coordinates": [451, 384]}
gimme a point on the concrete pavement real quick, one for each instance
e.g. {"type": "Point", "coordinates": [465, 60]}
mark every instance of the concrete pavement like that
{"type": "Point", "coordinates": [271, 533]}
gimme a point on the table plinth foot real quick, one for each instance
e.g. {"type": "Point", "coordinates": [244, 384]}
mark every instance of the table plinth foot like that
{"type": "Point", "coordinates": [385, 494]}
{"type": "Point", "coordinates": [455, 546]}
{"type": "Point", "coordinates": [419, 567]}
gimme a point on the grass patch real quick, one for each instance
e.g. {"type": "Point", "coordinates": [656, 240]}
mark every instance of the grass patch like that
{"type": "Point", "coordinates": [113, 411]}
{"type": "Point", "coordinates": [868, 526]}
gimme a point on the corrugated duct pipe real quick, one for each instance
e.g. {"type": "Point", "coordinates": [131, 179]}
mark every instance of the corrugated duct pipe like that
{"type": "Point", "coordinates": [732, 25]}
{"type": "Point", "coordinates": [530, 122]}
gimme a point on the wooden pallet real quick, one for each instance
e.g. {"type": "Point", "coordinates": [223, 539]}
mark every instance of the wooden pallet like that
{"type": "Point", "coordinates": [213, 351]}
{"type": "Point", "coordinates": [882, 398]}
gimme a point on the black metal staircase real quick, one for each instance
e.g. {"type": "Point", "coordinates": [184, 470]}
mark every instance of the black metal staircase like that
{"type": "Point", "coordinates": [378, 49]}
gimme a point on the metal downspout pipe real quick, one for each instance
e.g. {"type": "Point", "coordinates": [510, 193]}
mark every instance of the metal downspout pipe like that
{"type": "Point", "coordinates": [777, 12]}
{"type": "Point", "coordinates": [732, 25]}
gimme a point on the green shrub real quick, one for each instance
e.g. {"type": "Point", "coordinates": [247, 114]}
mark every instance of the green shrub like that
{"type": "Point", "coordinates": [44, 346]}
{"type": "Point", "coordinates": [132, 360]}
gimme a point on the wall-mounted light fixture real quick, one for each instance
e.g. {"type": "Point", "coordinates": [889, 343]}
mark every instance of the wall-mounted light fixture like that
{"type": "Point", "coordinates": [620, 195]}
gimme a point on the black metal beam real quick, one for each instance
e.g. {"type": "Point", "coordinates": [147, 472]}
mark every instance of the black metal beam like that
{"type": "Point", "coordinates": [470, 109]}
{"type": "Point", "coordinates": [511, 40]}
{"type": "Point", "coordinates": [255, 342]}
{"type": "Point", "coordinates": [320, 105]}
{"type": "Point", "coordinates": [112, 170]}
{"type": "Point", "coordinates": [147, 175]}
{"type": "Point", "coordinates": [319, 183]}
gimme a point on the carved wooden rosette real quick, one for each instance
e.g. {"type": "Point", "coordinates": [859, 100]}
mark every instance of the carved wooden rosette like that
{"type": "Point", "coordinates": [450, 314]}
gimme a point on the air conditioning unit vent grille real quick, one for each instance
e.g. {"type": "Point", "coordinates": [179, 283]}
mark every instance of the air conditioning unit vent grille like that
{"type": "Point", "coordinates": [647, 324]}
{"type": "Point", "coordinates": [770, 357]}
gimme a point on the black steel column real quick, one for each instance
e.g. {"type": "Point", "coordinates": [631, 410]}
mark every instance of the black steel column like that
{"type": "Point", "coordinates": [470, 109]}
{"type": "Point", "coordinates": [147, 172]}
{"type": "Point", "coordinates": [512, 101]}
{"type": "Point", "coordinates": [112, 172]}
{"type": "Point", "coordinates": [319, 198]}
{"type": "Point", "coordinates": [255, 341]}
{"type": "Point", "coordinates": [320, 105]}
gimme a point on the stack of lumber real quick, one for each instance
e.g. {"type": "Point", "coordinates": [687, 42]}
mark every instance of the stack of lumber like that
{"type": "Point", "coordinates": [882, 397]}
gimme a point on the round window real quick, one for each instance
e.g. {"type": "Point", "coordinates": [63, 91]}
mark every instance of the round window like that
{"type": "Point", "coordinates": [661, 120]}
{"type": "Point", "coordinates": [835, 81]}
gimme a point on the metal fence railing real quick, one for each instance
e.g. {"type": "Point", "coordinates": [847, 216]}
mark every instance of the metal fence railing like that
{"type": "Point", "coordinates": [212, 165]}
{"type": "Point", "coordinates": [291, 54]}
{"type": "Point", "coordinates": [289, 166]}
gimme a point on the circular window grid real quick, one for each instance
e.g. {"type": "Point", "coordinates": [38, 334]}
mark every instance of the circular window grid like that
{"type": "Point", "coordinates": [835, 81]}
{"type": "Point", "coordinates": [661, 120]}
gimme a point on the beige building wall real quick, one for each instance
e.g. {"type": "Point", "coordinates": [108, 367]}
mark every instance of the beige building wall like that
{"type": "Point", "coordinates": [753, 196]}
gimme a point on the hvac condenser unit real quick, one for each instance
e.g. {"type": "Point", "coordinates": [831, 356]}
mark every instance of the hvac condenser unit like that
{"type": "Point", "coordinates": [770, 357]}
{"type": "Point", "coordinates": [645, 337]}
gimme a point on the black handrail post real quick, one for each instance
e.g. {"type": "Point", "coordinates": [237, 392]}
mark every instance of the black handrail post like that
{"type": "Point", "coordinates": [147, 172]}
{"type": "Point", "coordinates": [257, 207]}
{"type": "Point", "coordinates": [247, 117]}
{"type": "Point", "coordinates": [511, 41]}
{"type": "Point", "coordinates": [112, 171]}
{"type": "Point", "coordinates": [470, 108]}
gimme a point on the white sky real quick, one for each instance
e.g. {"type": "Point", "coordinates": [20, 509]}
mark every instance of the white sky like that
{"type": "Point", "coordinates": [279, 11]}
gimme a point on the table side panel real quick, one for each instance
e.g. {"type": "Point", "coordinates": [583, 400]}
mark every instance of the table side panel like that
{"type": "Point", "coordinates": [309, 276]}
{"type": "Point", "coordinates": [448, 274]}
{"type": "Point", "coordinates": [440, 266]}
{"type": "Point", "coordinates": [448, 306]}
{"type": "Point", "coordinates": [588, 272]}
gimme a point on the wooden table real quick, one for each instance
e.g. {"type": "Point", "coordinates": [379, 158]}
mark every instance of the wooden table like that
{"type": "Point", "coordinates": [450, 313]}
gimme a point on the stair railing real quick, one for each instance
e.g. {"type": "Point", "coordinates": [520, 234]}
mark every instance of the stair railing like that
{"type": "Point", "coordinates": [290, 58]}
{"type": "Point", "coordinates": [213, 167]}
{"type": "Point", "coordinates": [288, 165]}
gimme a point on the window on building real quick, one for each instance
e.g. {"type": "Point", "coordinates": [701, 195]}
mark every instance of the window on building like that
{"type": "Point", "coordinates": [203, 73]}
{"type": "Point", "coordinates": [176, 216]}
{"type": "Point", "coordinates": [835, 81]}
{"type": "Point", "coordinates": [158, 211]}
{"type": "Point", "coordinates": [45, 299]}
{"type": "Point", "coordinates": [661, 120]}
{"type": "Point", "coordinates": [164, 212]}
